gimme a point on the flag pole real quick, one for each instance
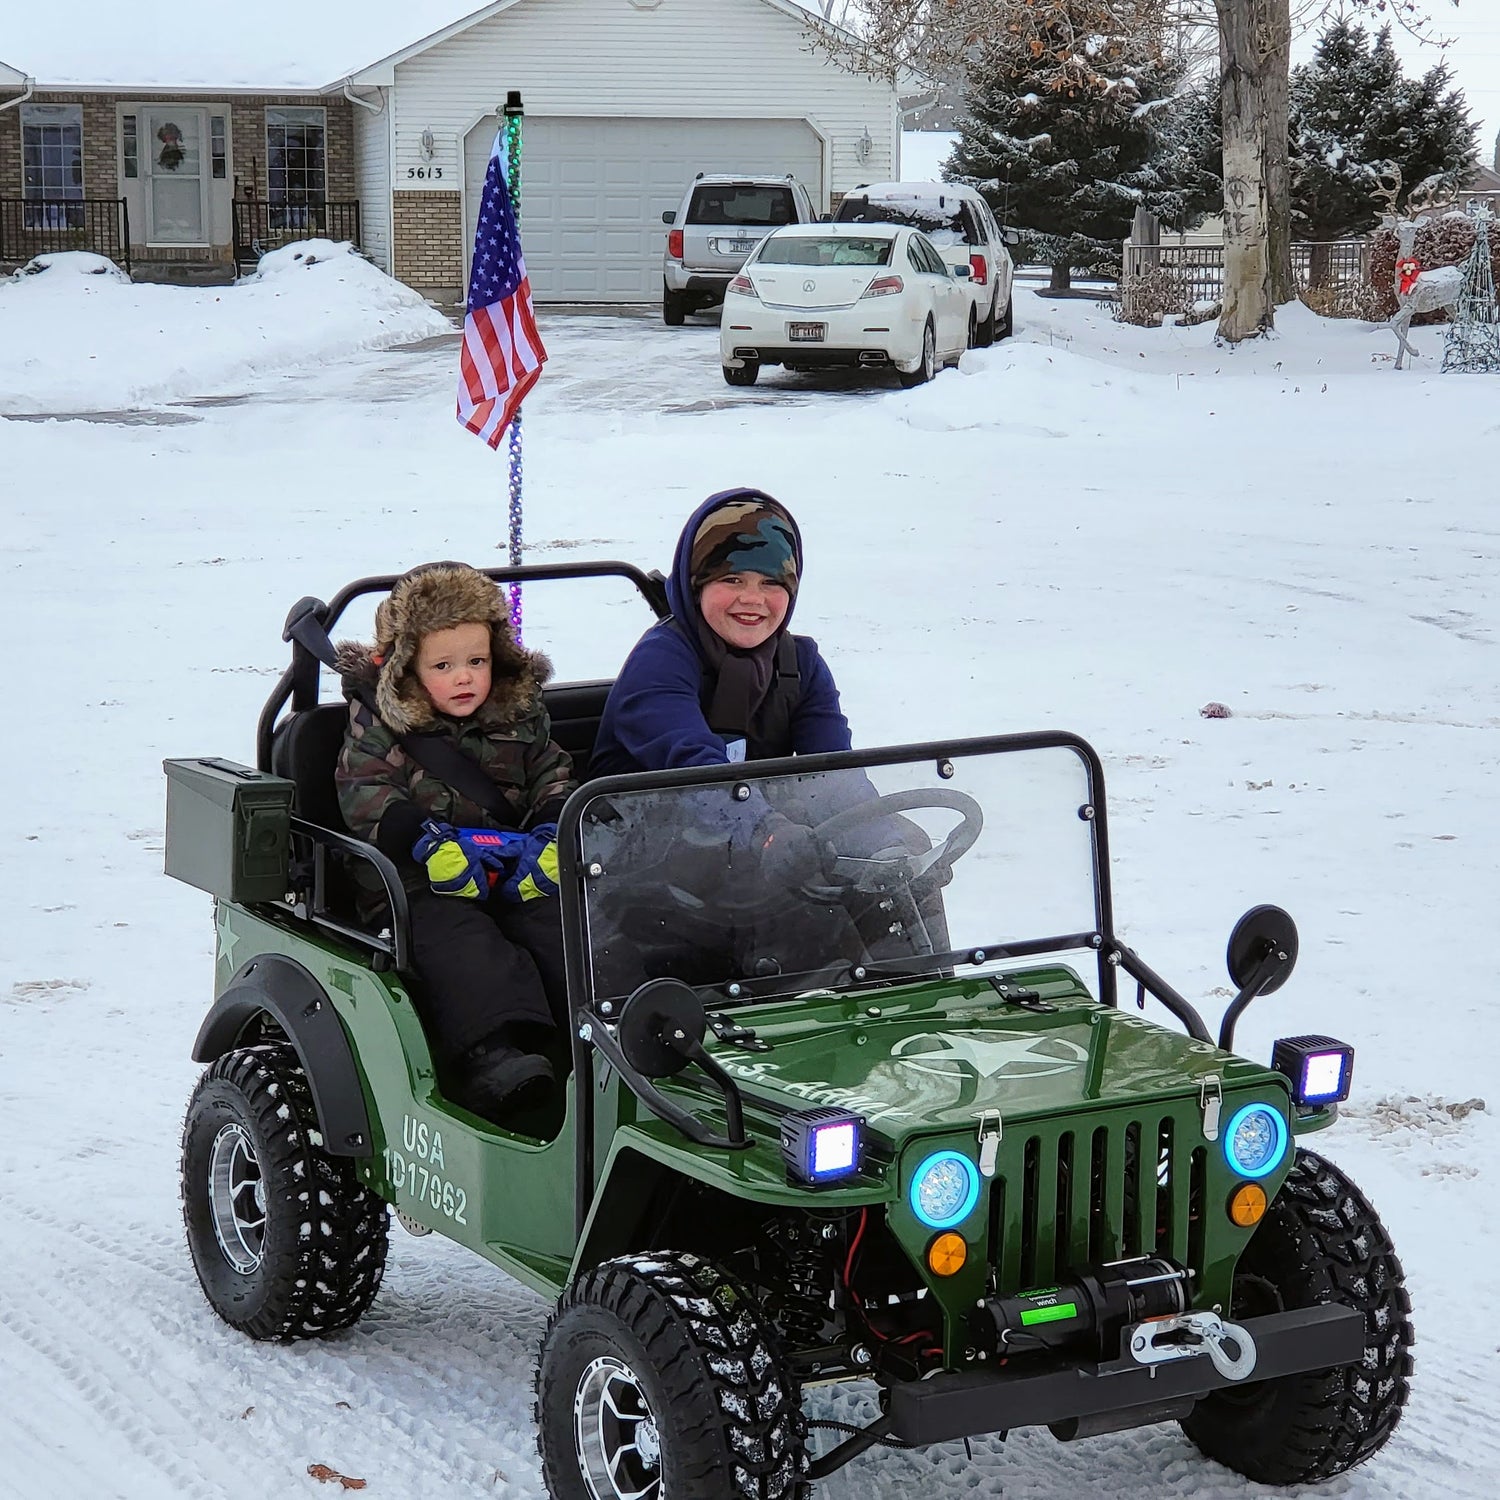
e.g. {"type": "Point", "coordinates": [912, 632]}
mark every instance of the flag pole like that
{"type": "Point", "coordinates": [515, 114]}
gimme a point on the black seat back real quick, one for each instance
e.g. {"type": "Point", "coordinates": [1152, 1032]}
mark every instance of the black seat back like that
{"type": "Point", "coordinates": [305, 749]}
{"type": "Point", "coordinates": [575, 709]}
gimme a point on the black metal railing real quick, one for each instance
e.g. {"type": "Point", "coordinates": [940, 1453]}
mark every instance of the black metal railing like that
{"type": "Point", "coordinates": [47, 226]}
{"type": "Point", "coordinates": [261, 226]}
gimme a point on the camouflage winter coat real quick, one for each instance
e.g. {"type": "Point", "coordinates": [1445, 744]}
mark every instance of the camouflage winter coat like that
{"type": "Point", "coordinates": [508, 737]}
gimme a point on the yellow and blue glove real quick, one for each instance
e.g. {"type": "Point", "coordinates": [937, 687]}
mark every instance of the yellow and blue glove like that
{"type": "Point", "coordinates": [536, 866]}
{"type": "Point", "coordinates": [454, 867]}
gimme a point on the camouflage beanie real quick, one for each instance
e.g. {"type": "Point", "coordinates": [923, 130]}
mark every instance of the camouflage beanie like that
{"type": "Point", "coordinates": [745, 536]}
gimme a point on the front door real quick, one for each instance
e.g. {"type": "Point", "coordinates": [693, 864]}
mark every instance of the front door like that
{"type": "Point", "coordinates": [172, 163]}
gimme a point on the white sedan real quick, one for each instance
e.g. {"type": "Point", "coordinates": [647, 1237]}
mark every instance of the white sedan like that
{"type": "Point", "coordinates": [876, 296]}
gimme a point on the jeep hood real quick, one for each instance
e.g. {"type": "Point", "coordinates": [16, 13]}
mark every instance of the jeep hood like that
{"type": "Point", "coordinates": [933, 1057]}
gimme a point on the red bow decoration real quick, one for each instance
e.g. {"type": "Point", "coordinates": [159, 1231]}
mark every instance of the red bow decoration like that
{"type": "Point", "coordinates": [1408, 268]}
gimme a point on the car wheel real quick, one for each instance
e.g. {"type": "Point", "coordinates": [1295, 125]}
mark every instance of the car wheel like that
{"type": "Point", "coordinates": [973, 328]}
{"type": "Point", "coordinates": [928, 366]}
{"type": "Point", "coordinates": [745, 375]}
{"type": "Point", "coordinates": [1320, 1242]}
{"type": "Point", "coordinates": [660, 1376]}
{"type": "Point", "coordinates": [286, 1242]}
{"type": "Point", "coordinates": [987, 327]}
{"type": "Point", "coordinates": [1007, 324]}
{"type": "Point", "coordinates": [673, 307]}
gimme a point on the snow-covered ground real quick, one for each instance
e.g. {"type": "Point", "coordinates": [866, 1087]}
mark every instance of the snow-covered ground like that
{"type": "Point", "coordinates": [1091, 526]}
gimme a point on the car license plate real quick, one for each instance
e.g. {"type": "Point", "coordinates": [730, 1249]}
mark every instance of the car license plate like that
{"type": "Point", "coordinates": [736, 247]}
{"type": "Point", "coordinates": [806, 333]}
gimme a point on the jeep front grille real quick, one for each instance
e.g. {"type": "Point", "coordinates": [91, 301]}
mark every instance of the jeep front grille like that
{"type": "Point", "coordinates": [1127, 1188]}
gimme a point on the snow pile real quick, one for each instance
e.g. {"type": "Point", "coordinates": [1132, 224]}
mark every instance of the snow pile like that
{"type": "Point", "coordinates": [72, 263]}
{"type": "Point", "coordinates": [77, 340]}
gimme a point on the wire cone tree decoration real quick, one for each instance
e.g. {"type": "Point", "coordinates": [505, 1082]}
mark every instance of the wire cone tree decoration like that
{"type": "Point", "coordinates": [1474, 334]}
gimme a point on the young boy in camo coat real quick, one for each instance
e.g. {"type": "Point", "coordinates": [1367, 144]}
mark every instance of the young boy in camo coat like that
{"type": "Point", "coordinates": [446, 664]}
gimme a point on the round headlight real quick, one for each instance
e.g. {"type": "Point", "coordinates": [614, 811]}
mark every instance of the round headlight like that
{"type": "Point", "coordinates": [1256, 1140]}
{"type": "Point", "coordinates": [944, 1189]}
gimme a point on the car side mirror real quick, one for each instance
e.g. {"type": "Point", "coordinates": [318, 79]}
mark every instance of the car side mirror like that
{"type": "Point", "coordinates": [962, 273]}
{"type": "Point", "coordinates": [1011, 237]}
{"type": "Point", "coordinates": [1262, 952]}
{"type": "Point", "coordinates": [669, 217]}
{"type": "Point", "coordinates": [825, 218]}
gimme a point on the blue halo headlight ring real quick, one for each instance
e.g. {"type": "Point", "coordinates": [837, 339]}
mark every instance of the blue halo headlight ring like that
{"type": "Point", "coordinates": [1262, 1156]}
{"type": "Point", "coordinates": [944, 1189]}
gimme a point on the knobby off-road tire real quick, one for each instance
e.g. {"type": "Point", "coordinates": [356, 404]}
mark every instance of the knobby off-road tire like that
{"type": "Point", "coordinates": [665, 1363]}
{"type": "Point", "coordinates": [1320, 1242]}
{"type": "Point", "coordinates": [286, 1242]}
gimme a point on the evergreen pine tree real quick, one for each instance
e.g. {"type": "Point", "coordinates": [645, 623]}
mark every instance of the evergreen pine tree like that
{"type": "Point", "coordinates": [1353, 116]}
{"type": "Point", "coordinates": [1069, 159]}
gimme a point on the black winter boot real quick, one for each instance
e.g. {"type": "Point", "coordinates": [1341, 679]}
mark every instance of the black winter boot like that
{"type": "Point", "coordinates": [490, 1080]}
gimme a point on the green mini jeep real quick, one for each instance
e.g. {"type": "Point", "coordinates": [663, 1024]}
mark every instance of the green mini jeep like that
{"type": "Point", "coordinates": [872, 1129]}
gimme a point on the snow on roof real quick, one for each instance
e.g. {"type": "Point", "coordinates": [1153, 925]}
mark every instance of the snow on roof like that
{"type": "Point", "coordinates": [105, 44]}
{"type": "Point", "coordinates": [109, 45]}
{"type": "Point", "coordinates": [10, 75]}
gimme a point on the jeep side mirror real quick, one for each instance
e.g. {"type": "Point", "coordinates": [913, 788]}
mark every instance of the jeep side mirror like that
{"type": "Point", "coordinates": [1261, 955]}
{"type": "Point", "coordinates": [669, 217]}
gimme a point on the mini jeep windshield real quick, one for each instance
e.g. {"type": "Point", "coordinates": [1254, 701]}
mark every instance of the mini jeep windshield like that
{"type": "Point", "coordinates": [927, 867]}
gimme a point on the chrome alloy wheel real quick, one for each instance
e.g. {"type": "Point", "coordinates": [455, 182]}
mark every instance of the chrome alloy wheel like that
{"type": "Point", "coordinates": [619, 1445]}
{"type": "Point", "coordinates": [237, 1199]}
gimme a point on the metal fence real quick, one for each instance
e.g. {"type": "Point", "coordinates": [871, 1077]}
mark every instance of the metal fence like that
{"type": "Point", "coordinates": [261, 226]}
{"type": "Point", "coordinates": [1176, 281]}
{"type": "Point", "coordinates": [48, 226]}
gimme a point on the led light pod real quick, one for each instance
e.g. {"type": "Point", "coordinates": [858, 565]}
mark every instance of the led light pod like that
{"type": "Point", "coordinates": [1256, 1140]}
{"type": "Point", "coordinates": [1321, 1069]}
{"type": "Point", "coordinates": [944, 1189]}
{"type": "Point", "coordinates": [821, 1145]}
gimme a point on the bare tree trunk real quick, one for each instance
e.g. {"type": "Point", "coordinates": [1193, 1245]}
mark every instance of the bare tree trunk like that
{"type": "Point", "coordinates": [1249, 308]}
{"type": "Point", "coordinates": [1062, 277]}
{"type": "Point", "coordinates": [1277, 44]}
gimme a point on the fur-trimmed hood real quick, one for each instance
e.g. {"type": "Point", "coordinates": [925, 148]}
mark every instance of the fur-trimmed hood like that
{"type": "Point", "coordinates": [438, 596]}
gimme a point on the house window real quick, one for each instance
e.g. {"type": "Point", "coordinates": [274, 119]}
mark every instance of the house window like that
{"type": "Point", "coordinates": [52, 165]}
{"type": "Point", "coordinates": [217, 137]}
{"type": "Point", "coordinates": [130, 146]}
{"type": "Point", "coordinates": [296, 172]}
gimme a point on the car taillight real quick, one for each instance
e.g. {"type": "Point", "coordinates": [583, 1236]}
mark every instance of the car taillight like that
{"type": "Point", "coordinates": [979, 270]}
{"type": "Point", "coordinates": [743, 286]}
{"type": "Point", "coordinates": [674, 244]}
{"type": "Point", "coordinates": [884, 286]}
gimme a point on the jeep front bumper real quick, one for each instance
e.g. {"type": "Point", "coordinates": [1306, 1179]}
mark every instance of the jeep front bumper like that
{"type": "Point", "coordinates": [1042, 1391]}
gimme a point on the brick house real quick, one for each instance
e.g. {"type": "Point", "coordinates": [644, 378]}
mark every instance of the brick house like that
{"type": "Point", "coordinates": [200, 144]}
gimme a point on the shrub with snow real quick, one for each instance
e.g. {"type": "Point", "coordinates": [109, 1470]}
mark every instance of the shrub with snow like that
{"type": "Point", "coordinates": [72, 263]}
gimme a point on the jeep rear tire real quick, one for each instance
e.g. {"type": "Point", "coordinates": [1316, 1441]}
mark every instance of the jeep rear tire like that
{"type": "Point", "coordinates": [1320, 1242]}
{"type": "Point", "coordinates": [661, 1377]}
{"type": "Point", "coordinates": [286, 1242]}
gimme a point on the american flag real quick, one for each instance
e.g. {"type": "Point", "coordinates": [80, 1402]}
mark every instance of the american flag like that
{"type": "Point", "coordinates": [502, 355]}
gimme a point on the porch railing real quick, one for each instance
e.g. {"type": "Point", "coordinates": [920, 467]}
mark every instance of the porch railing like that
{"type": "Point", "coordinates": [261, 226]}
{"type": "Point", "coordinates": [47, 226]}
{"type": "Point", "coordinates": [1158, 281]}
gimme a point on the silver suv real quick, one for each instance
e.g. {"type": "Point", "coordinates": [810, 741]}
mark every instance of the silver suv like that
{"type": "Point", "coordinates": [723, 217]}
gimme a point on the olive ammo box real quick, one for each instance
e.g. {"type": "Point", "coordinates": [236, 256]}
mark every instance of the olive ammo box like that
{"type": "Point", "coordinates": [228, 829]}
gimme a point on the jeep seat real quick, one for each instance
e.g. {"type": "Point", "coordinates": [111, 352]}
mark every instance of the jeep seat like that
{"type": "Point", "coordinates": [305, 749]}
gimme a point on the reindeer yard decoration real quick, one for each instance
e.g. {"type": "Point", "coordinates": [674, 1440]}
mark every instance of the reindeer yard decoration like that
{"type": "Point", "coordinates": [1417, 291]}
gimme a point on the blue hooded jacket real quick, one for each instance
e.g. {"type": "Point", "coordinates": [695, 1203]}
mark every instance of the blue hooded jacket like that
{"type": "Point", "coordinates": [654, 719]}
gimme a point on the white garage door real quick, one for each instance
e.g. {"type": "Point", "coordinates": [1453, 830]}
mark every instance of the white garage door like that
{"type": "Point", "coordinates": [593, 192]}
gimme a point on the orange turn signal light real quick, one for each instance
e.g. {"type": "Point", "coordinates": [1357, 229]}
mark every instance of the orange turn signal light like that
{"type": "Point", "coordinates": [946, 1254]}
{"type": "Point", "coordinates": [1247, 1204]}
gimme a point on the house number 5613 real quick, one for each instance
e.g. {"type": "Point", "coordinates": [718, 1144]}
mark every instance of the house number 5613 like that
{"type": "Point", "coordinates": [425, 174]}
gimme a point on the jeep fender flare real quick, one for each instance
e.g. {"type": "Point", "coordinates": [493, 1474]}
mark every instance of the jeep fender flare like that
{"type": "Point", "coordinates": [279, 987]}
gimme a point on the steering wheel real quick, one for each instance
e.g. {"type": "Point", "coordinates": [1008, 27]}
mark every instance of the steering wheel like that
{"type": "Point", "coordinates": [899, 866]}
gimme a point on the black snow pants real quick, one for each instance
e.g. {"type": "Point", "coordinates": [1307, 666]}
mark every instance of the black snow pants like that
{"type": "Point", "coordinates": [489, 970]}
